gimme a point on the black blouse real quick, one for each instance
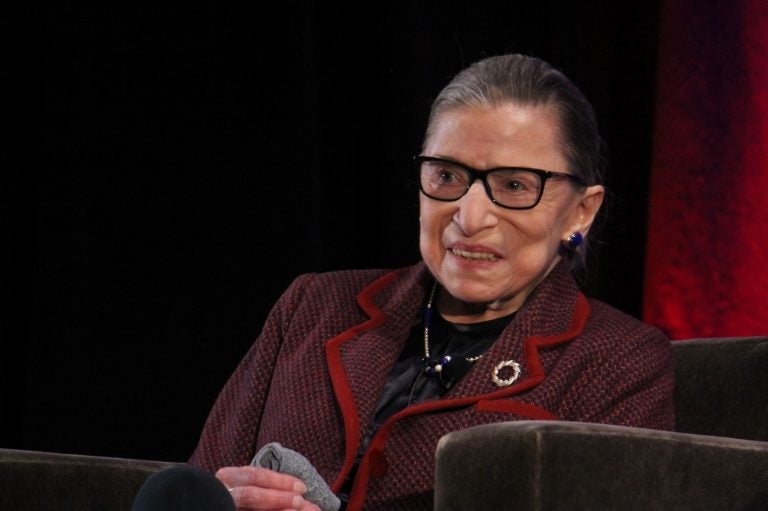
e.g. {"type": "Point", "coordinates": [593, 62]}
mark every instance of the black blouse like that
{"type": "Point", "coordinates": [409, 381]}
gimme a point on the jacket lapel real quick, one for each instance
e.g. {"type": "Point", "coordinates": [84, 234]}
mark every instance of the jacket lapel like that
{"type": "Point", "coordinates": [360, 358]}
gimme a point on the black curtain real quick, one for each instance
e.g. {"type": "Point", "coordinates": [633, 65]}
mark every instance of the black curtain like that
{"type": "Point", "coordinates": [200, 158]}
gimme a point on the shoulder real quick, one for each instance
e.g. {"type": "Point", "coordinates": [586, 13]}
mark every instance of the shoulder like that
{"type": "Point", "coordinates": [620, 370]}
{"type": "Point", "coordinates": [330, 302]}
{"type": "Point", "coordinates": [343, 286]}
{"type": "Point", "coordinates": [610, 319]}
{"type": "Point", "coordinates": [613, 330]}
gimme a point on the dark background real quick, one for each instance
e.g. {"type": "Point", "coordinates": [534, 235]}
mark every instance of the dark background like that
{"type": "Point", "coordinates": [199, 159]}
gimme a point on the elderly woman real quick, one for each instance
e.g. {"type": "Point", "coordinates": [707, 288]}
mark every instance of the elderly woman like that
{"type": "Point", "coordinates": [363, 371]}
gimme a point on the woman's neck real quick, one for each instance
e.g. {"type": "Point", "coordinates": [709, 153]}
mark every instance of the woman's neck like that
{"type": "Point", "coordinates": [457, 311]}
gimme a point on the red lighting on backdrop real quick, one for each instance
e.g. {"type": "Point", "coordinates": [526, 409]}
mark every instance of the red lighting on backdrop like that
{"type": "Point", "coordinates": [707, 255]}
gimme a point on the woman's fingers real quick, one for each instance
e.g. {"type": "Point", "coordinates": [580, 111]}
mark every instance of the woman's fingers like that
{"type": "Point", "coordinates": [261, 477]}
{"type": "Point", "coordinates": [309, 506]}
{"type": "Point", "coordinates": [261, 488]}
{"type": "Point", "coordinates": [254, 497]}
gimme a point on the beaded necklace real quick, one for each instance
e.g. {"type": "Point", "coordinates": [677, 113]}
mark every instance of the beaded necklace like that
{"type": "Point", "coordinates": [435, 366]}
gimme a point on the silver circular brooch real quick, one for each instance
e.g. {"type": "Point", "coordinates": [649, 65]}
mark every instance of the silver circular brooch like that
{"type": "Point", "coordinates": [509, 381]}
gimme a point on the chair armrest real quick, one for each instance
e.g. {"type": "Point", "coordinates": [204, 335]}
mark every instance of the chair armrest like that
{"type": "Point", "coordinates": [45, 480]}
{"type": "Point", "coordinates": [535, 465]}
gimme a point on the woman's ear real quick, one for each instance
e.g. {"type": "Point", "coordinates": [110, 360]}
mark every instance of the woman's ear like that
{"type": "Point", "coordinates": [587, 206]}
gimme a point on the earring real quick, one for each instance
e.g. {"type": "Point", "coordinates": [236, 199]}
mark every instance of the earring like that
{"type": "Point", "coordinates": [574, 240]}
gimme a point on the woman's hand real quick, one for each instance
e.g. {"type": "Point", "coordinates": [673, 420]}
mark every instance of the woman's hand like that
{"type": "Point", "coordinates": [261, 488]}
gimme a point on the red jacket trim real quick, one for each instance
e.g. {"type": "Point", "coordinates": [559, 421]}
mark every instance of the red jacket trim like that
{"type": "Point", "coordinates": [339, 378]}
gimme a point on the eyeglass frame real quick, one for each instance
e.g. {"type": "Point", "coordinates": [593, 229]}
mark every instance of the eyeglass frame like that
{"type": "Point", "coordinates": [476, 174]}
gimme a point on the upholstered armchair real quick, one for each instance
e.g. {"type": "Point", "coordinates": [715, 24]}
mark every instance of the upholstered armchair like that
{"type": "Point", "coordinates": [716, 460]}
{"type": "Point", "coordinates": [32, 480]}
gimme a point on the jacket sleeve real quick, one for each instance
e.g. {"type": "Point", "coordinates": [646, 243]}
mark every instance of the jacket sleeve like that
{"type": "Point", "coordinates": [629, 381]}
{"type": "Point", "coordinates": [229, 434]}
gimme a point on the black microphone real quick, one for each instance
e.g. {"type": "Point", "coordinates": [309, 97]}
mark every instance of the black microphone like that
{"type": "Point", "coordinates": [183, 488]}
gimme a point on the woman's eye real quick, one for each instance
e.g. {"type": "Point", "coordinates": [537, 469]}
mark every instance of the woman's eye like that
{"type": "Point", "coordinates": [514, 185]}
{"type": "Point", "coordinates": [446, 176]}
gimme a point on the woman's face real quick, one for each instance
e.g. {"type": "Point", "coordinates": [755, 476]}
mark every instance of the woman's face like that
{"type": "Point", "coordinates": [487, 257]}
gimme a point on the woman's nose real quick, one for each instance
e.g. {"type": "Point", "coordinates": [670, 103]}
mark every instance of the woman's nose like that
{"type": "Point", "coordinates": [475, 210]}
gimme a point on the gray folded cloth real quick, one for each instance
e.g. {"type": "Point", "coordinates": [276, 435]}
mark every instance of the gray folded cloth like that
{"type": "Point", "coordinates": [287, 461]}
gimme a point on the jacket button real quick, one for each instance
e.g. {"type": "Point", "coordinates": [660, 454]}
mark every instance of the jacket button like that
{"type": "Point", "coordinates": [378, 463]}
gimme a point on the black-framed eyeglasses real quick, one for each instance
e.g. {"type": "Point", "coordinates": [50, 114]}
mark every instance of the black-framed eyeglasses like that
{"type": "Point", "coordinates": [509, 187]}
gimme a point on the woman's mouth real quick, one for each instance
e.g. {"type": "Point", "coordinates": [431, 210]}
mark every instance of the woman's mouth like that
{"type": "Point", "coordinates": [474, 256]}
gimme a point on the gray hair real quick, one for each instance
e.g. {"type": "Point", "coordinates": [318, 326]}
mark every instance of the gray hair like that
{"type": "Point", "coordinates": [525, 80]}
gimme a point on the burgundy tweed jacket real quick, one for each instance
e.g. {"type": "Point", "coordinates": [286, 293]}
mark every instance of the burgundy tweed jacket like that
{"type": "Point", "coordinates": [312, 379]}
